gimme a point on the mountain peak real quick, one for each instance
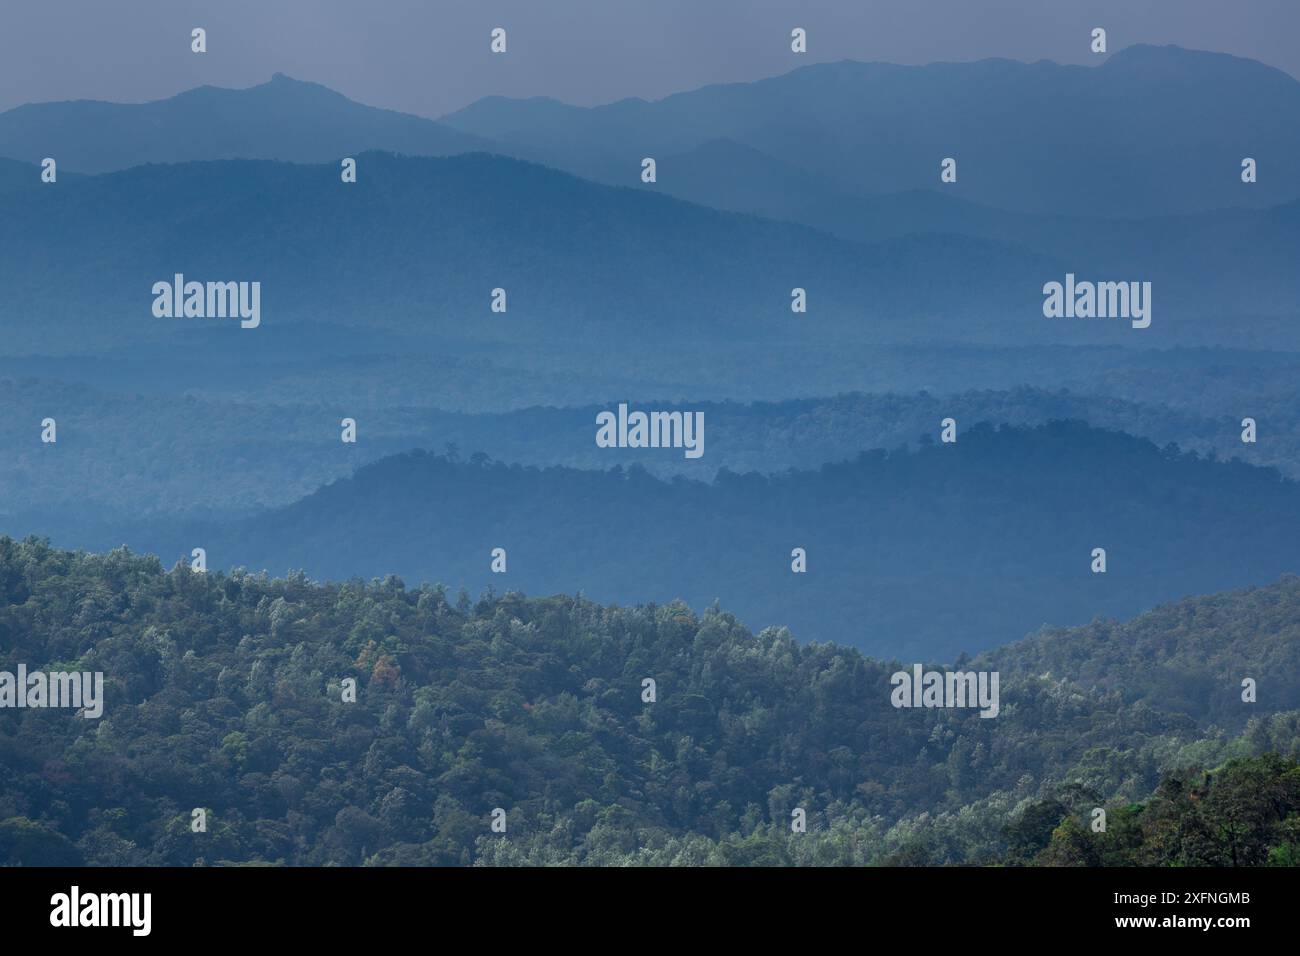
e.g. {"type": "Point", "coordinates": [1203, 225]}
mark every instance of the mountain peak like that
{"type": "Point", "coordinates": [285, 84]}
{"type": "Point", "coordinates": [1170, 58]}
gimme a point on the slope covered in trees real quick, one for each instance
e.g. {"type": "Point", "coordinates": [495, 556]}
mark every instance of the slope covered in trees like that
{"type": "Point", "coordinates": [223, 692]}
{"type": "Point", "coordinates": [1189, 656]}
{"type": "Point", "coordinates": [134, 453]}
{"type": "Point", "coordinates": [1247, 813]}
{"type": "Point", "coordinates": [920, 553]}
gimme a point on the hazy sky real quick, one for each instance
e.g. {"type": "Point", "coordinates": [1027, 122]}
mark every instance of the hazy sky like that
{"type": "Point", "coordinates": [431, 56]}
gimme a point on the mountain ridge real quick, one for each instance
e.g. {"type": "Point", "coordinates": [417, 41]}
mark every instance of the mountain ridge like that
{"type": "Point", "coordinates": [1015, 507]}
{"type": "Point", "coordinates": [281, 119]}
{"type": "Point", "coordinates": [1004, 120]}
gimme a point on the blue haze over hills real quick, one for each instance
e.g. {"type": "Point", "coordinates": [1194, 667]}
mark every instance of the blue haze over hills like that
{"type": "Point", "coordinates": [650, 681]}
{"type": "Point", "coordinates": [375, 305]}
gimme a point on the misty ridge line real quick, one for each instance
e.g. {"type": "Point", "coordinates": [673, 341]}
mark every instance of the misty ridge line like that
{"type": "Point", "coordinates": [279, 77]}
{"type": "Point", "coordinates": [918, 550]}
{"type": "Point", "coordinates": [626, 430]}
{"type": "Point", "coordinates": [684, 110]}
{"type": "Point", "coordinates": [242, 299]}
{"type": "Point", "coordinates": [1127, 299]}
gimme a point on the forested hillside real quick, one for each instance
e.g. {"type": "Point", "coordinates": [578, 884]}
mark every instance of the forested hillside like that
{"type": "Point", "coordinates": [1245, 814]}
{"type": "Point", "coordinates": [136, 453]}
{"type": "Point", "coordinates": [224, 692]}
{"type": "Point", "coordinates": [924, 553]}
{"type": "Point", "coordinates": [1189, 656]}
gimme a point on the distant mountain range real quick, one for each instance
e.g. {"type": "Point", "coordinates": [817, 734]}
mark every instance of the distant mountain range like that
{"type": "Point", "coordinates": [1106, 172]}
{"type": "Point", "coordinates": [1151, 130]}
{"type": "Point", "coordinates": [160, 446]}
{"type": "Point", "coordinates": [283, 119]}
{"type": "Point", "coordinates": [476, 430]}
{"type": "Point", "coordinates": [377, 295]}
{"type": "Point", "coordinates": [1126, 138]}
{"type": "Point", "coordinates": [417, 245]}
{"type": "Point", "coordinates": [921, 554]}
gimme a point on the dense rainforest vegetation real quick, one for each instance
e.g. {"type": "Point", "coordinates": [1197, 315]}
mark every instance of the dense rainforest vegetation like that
{"type": "Point", "coordinates": [224, 692]}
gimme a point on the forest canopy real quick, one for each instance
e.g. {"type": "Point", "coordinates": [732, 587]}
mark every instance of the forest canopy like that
{"type": "Point", "coordinates": [223, 692]}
